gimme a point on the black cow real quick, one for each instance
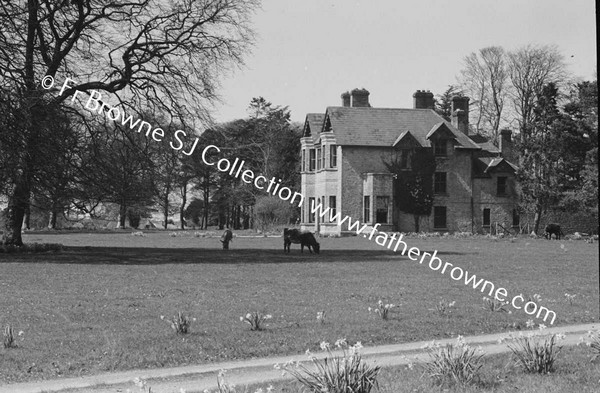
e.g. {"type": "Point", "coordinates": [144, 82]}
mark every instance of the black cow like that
{"type": "Point", "coordinates": [303, 238]}
{"type": "Point", "coordinates": [226, 238]}
{"type": "Point", "coordinates": [553, 229]}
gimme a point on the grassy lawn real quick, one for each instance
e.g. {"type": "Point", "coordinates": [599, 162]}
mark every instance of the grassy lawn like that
{"type": "Point", "coordinates": [96, 306]}
{"type": "Point", "coordinates": [574, 373]}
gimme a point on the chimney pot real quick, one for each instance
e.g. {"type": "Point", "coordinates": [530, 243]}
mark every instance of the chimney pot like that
{"type": "Point", "coordinates": [345, 99]}
{"type": "Point", "coordinates": [423, 100]}
{"type": "Point", "coordinates": [506, 144]}
{"type": "Point", "coordinates": [460, 113]}
{"type": "Point", "coordinates": [360, 98]}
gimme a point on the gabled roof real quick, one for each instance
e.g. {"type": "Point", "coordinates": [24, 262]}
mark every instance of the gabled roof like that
{"type": "Point", "coordinates": [313, 124]}
{"type": "Point", "coordinates": [406, 140]}
{"type": "Point", "coordinates": [487, 165]}
{"type": "Point", "coordinates": [382, 126]}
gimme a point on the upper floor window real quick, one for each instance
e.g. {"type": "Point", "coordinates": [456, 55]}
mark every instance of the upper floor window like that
{"type": "Point", "coordinates": [333, 156]}
{"type": "Point", "coordinates": [439, 185]}
{"type": "Point", "coordinates": [440, 148]}
{"type": "Point", "coordinates": [405, 159]}
{"type": "Point", "coordinates": [318, 158]}
{"type": "Point", "coordinates": [501, 186]}
{"type": "Point", "coordinates": [311, 161]}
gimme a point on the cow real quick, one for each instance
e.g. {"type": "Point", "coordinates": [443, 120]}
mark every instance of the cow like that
{"type": "Point", "coordinates": [553, 229]}
{"type": "Point", "coordinates": [303, 238]}
{"type": "Point", "coordinates": [226, 238]}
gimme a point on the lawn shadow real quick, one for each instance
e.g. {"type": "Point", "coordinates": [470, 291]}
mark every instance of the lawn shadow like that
{"type": "Point", "coordinates": [158, 256]}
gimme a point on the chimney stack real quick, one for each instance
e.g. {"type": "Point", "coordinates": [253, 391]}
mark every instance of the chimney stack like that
{"type": "Point", "coordinates": [423, 99]}
{"type": "Point", "coordinates": [506, 144]}
{"type": "Point", "coordinates": [360, 98]}
{"type": "Point", "coordinates": [460, 113]}
{"type": "Point", "coordinates": [346, 99]}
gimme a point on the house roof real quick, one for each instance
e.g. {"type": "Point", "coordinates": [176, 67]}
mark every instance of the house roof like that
{"type": "Point", "coordinates": [486, 165]}
{"type": "Point", "coordinates": [485, 143]}
{"type": "Point", "coordinates": [382, 126]}
{"type": "Point", "coordinates": [314, 122]}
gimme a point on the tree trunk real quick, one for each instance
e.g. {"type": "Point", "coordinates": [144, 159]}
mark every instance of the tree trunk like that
{"type": "Point", "coordinates": [417, 221]}
{"type": "Point", "coordinates": [183, 202]}
{"type": "Point", "coordinates": [52, 221]}
{"type": "Point", "coordinates": [17, 205]}
{"type": "Point", "coordinates": [122, 215]}
{"type": "Point", "coordinates": [537, 218]}
{"type": "Point", "coordinates": [166, 206]}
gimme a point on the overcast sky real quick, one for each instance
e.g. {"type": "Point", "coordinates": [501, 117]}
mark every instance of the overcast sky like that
{"type": "Point", "coordinates": [310, 51]}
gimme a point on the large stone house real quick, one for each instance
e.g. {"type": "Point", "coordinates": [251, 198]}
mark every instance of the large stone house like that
{"type": "Point", "coordinates": [343, 155]}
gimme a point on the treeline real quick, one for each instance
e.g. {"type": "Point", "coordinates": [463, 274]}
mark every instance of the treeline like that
{"type": "Point", "coordinates": [554, 116]}
{"type": "Point", "coordinates": [88, 164]}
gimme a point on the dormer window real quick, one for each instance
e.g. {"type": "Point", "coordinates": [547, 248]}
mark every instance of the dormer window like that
{"type": "Point", "coordinates": [440, 148]}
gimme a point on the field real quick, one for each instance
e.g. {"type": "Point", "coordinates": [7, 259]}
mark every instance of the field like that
{"type": "Point", "coordinates": [96, 306]}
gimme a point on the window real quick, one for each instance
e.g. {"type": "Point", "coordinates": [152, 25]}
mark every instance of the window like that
{"type": "Point", "coordinates": [405, 158]}
{"type": "Point", "coordinates": [332, 207]}
{"type": "Point", "coordinates": [323, 158]}
{"type": "Point", "coordinates": [515, 218]}
{"type": "Point", "coordinates": [367, 209]}
{"type": "Point", "coordinates": [439, 217]}
{"type": "Point", "coordinates": [333, 156]}
{"type": "Point", "coordinates": [501, 186]}
{"type": "Point", "coordinates": [486, 217]}
{"type": "Point", "coordinates": [311, 214]}
{"type": "Point", "coordinates": [439, 185]}
{"type": "Point", "coordinates": [439, 148]}
{"type": "Point", "coordinates": [382, 203]}
{"type": "Point", "coordinates": [311, 162]}
{"type": "Point", "coordinates": [303, 161]}
{"type": "Point", "coordinates": [318, 158]}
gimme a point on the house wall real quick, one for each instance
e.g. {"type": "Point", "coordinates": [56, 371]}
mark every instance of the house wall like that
{"type": "Point", "coordinates": [501, 207]}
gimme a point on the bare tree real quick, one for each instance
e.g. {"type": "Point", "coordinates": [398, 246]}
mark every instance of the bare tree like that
{"type": "Point", "coordinates": [168, 53]}
{"type": "Point", "coordinates": [530, 69]}
{"type": "Point", "coordinates": [484, 78]}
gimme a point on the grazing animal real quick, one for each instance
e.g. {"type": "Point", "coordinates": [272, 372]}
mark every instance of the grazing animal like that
{"type": "Point", "coordinates": [553, 229]}
{"type": "Point", "coordinates": [303, 238]}
{"type": "Point", "coordinates": [226, 238]}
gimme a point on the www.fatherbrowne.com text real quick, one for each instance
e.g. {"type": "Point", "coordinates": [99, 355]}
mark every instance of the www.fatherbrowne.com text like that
{"type": "Point", "coordinates": [392, 242]}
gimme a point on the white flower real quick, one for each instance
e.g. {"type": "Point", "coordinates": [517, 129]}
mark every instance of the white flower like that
{"type": "Point", "coordinates": [21, 333]}
{"type": "Point", "coordinates": [324, 345]}
{"type": "Point", "coordinates": [560, 336]}
{"type": "Point", "coordinates": [270, 389]}
{"type": "Point", "coordinates": [452, 304]}
{"type": "Point", "coordinates": [162, 317]}
{"type": "Point", "coordinates": [241, 319]}
{"type": "Point", "coordinates": [370, 309]}
{"type": "Point", "coordinates": [268, 316]}
{"type": "Point", "coordinates": [340, 342]}
{"type": "Point", "coordinates": [542, 326]}
{"type": "Point", "coordinates": [276, 366]}
{"type": "Point", "coordinates": [182, 390]}
{"type": "Point", "coordinates": [248, 316]}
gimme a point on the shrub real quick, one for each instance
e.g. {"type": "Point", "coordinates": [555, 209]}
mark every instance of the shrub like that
{"type": "Point", "coordinates": [9, 337]}
{"type": "Point", "coordinates": [335, 374]}
{"type": "Point", "coordinates": [382, 309]}
{"type": "Point", "coordinates": [180, 323]}
{"type": "Point", "coordinates": [256, 320]}
{"type": "Point", "coordinates": [534, 352]}
{"type": "Point", "coordinates": [453, 364]}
